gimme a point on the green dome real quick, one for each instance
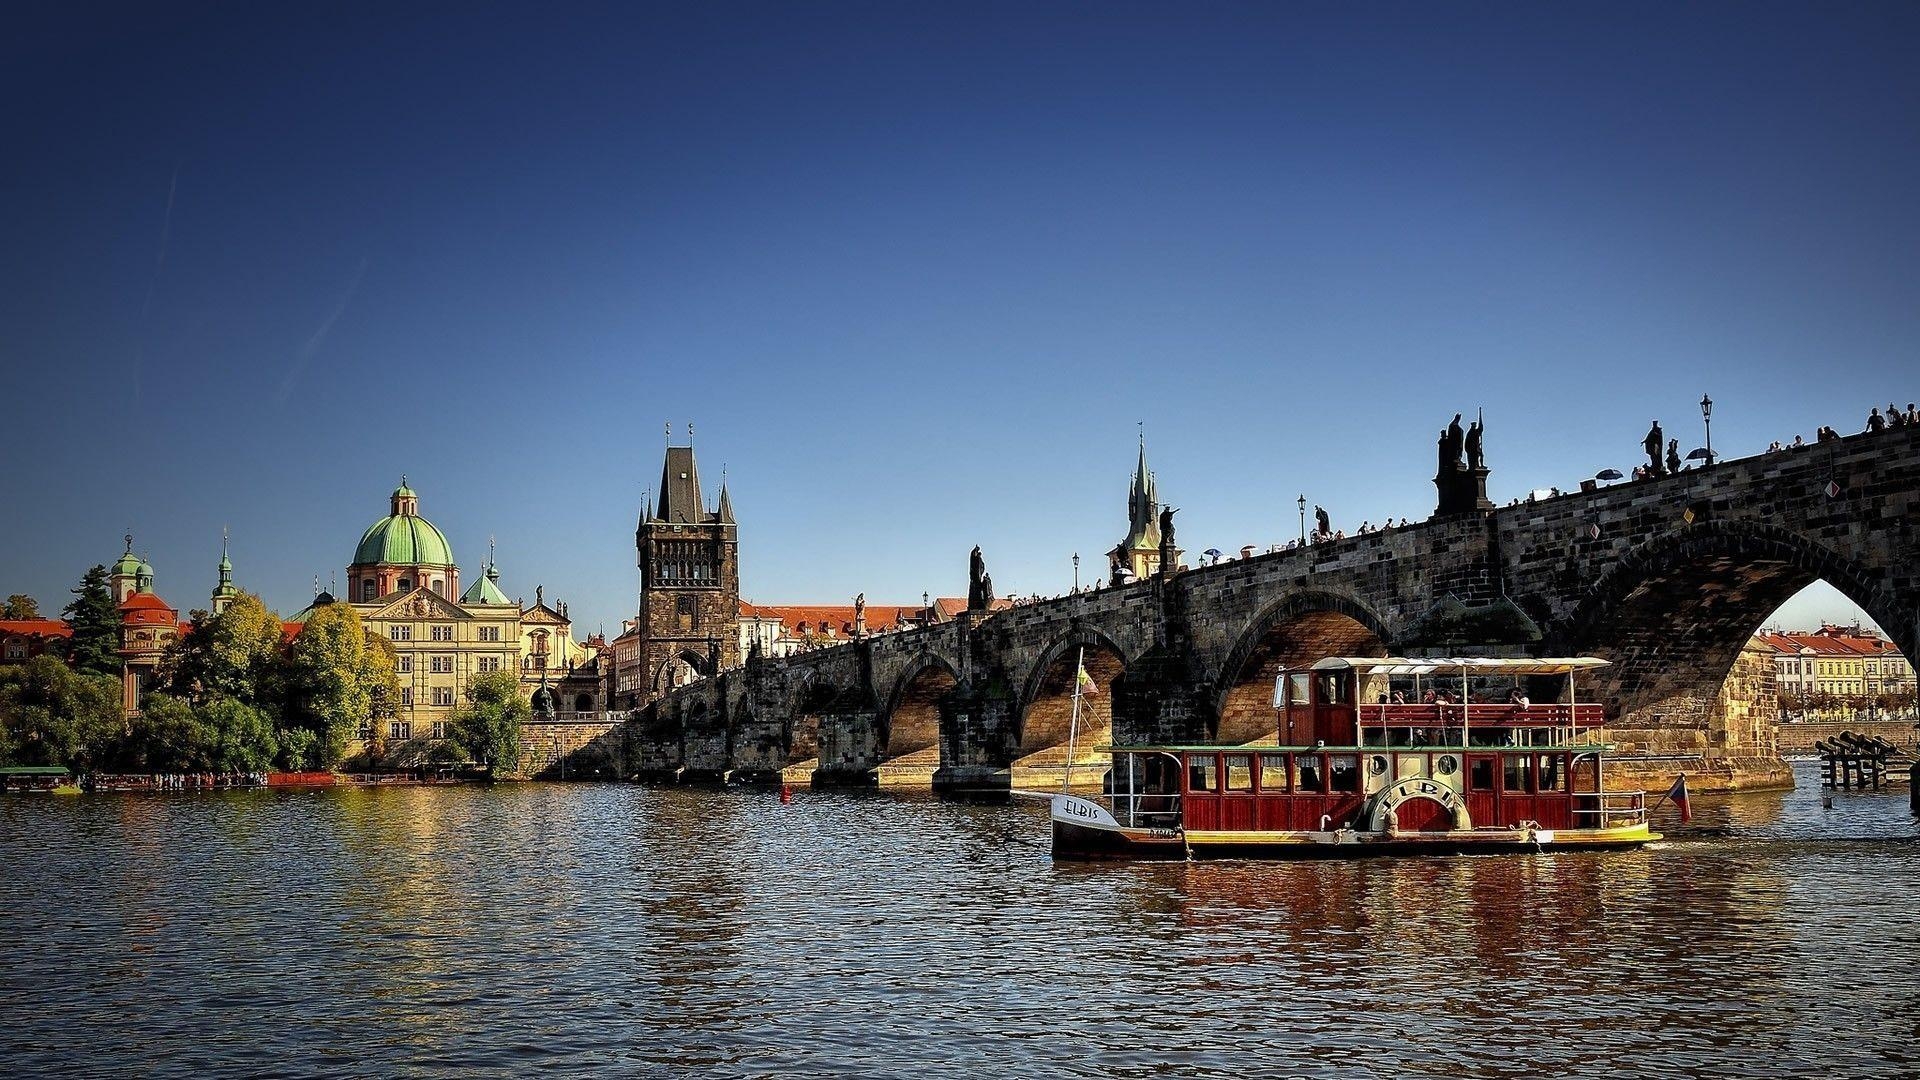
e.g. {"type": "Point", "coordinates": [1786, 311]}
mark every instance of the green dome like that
{"type": "Point", "coordinates": [403, 539]}
{"type": "Point", "coordinates": [404, 492]}
{"type": "Point", "coordinates": [129, 564]}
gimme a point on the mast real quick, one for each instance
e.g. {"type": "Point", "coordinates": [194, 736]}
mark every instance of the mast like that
{"type": "Point", "coordinates": [1073, 724]}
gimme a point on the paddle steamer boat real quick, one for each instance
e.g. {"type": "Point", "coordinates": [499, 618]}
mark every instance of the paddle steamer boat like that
{"type": "Point", "coordinates": [1374, 755]}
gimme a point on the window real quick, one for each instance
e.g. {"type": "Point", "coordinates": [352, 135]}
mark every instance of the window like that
{"type": "Point", "coordinates": [489, 633]}
{"type": "Point", "coordinates": [366, 589]}
{"type": "Point", "coordinates": [439, 729]}
{"type": "Point", "coordinates": [442, 632]}
{"type": "Point", "coordinates": [1344, 772]}
{"type": "Point", "coordinates": [403, 584]}
{"type": "Point", "coordinates": [404, 663]}
{"type": "Point", "coordinates": [406, 695]}
{"type": "Point", "coordinates": [399, 731]}
{"type": "Point", "coordinates": [1273, 772]}
{"type": "Point", "coordinates": [400, 633]}
{"type": "Point", "coordinates": [1239, 772]}
{"type": "Point", "coordinates": [16, 650]}
{"type": "Point", "coordinates": [1515, 778]}
{"type": "Point", "coordinates": [366, 731]}
{"type": "Point", "coordinates": [442, 665]}
{"type": "Point", "coordinates": [1552, 776]}
{"type": "Point", "coordinates": [1200, 774]}
{"type": "Point", "coordinates": [443, 695]}
{"type": "Point", "coordinates": [489, 663]}
{"type": "Point", "coordinates": [1310, 776]}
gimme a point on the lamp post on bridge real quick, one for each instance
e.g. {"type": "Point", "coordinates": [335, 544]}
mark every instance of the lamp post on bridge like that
{"type": "Point", "coordinates": [1076, 571]}
{"type": "Point", "coordinates": [1303, 521]}
{"type": "Point", "coordinates": [1706, 416]}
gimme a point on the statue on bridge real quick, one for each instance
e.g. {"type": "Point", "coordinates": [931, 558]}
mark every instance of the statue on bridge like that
{"type": "Point", "coordinates": [979, 583]}
{"type": "Point", "coordinates": [1462, 484]}
{"type": "Point", "coordinates": [1455, 441]}
{"type": "Point", "coordinates": [1652, 444]}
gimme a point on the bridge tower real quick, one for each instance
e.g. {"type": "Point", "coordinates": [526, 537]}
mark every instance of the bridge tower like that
{"type": "Point", "coordinates": [689, 557]}
{"type": "Point", "coordinates": [1139, 553]}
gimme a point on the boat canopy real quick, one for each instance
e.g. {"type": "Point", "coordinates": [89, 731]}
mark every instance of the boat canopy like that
{"type": "Point", "coordinates": [1472, 665]}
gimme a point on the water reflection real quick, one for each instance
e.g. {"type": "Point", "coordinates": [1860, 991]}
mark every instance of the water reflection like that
{"type": "Point", "coordinates": [620, 929]}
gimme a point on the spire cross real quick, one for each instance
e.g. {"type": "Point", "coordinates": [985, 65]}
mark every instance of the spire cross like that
{"type": "Point", "coordinates": [129, 539]}
{"type": "Point", "coordinates": [669, 433]}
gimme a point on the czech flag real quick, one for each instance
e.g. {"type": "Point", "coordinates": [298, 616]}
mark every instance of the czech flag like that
{"type": "Point", "coordinates": [1678, 793]}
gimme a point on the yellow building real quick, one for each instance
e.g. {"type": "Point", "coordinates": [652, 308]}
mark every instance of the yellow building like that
{"type": "Point", "coordinates": [402, 581]}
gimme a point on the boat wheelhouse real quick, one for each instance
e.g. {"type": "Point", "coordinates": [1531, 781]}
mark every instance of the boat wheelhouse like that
{"type": "Point", "coordinates": [1375, 755]}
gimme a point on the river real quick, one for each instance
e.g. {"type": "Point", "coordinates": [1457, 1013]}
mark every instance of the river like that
{"type": "Point", "coordinates": [613, 930]}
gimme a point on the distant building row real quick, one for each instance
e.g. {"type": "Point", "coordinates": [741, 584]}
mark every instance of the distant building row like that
{"type": "Point", "coordinates": [1840, 661]}
{"type": "Point", "coordinates": [403, 582]}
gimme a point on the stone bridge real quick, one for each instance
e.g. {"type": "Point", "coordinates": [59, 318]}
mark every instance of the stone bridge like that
{"type": "Point", "coordinates": [1668, 578]}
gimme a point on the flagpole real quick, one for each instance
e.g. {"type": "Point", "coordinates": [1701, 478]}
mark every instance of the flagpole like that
{"type": "Point", "coordinates": [1073, 725]}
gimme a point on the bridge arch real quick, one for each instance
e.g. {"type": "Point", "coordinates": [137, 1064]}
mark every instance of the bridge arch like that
{"type": "Point", "coordinates": [1044, 722]}
{"type": "Point", "coordinates": [812, 698]}
{"type": "Point", "coordinates": [1295, 629]}
{"type": "Point", "coordinates": [910, 721]}
{"type": "Point", "coordinates": [1675, 611]}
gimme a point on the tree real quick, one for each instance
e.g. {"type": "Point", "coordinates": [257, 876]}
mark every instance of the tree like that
{"type": "Point", "coordinates": [168, 736]}
{"type": "Point", "coordinates": [94, 647]}
{"type": "Point", "coordinates": [488, 726]}
{"type": "Point", "coordinates": [241, 738]}
{"type": "Point", "coordinates": [55, 715]}
{"type": "Point", "coordinates": [235, 654]}
{"type": "Point", "coordinates": [21, 606]}
{"type": "Point", "coordinates": [336, 679]}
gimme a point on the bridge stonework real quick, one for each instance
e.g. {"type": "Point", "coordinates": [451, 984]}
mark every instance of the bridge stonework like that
{"type": "Point", "coordinates": [1668, 578]}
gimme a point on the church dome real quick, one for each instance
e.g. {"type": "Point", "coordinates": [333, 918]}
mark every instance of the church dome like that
{"type": "Point", "coordinates": [403, 537]}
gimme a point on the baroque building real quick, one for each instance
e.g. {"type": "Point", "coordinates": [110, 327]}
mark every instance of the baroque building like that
{"type": "Point", "coordinates": [688, 625]}
{"type": "Point", "coordinates": [404, 583]}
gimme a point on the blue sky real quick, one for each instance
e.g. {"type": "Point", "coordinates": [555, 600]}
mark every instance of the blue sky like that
{"type": "Point", "coordinates": [914, 274]}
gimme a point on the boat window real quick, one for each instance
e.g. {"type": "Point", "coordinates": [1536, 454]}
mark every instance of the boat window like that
{"type": "Point", "coordinates": [1239, 772]}
{"type": "Point", "coordinates": [1200, 774]}
{"type": "Point", "coordinates": [1516, 773]}
{"type": "Point", "coordinates": [1344, 772]}
{"type": "Point", "coordinates": [1311, 778]}
{"type": "Point", "coordinates": [1334, 688]}
{"type": "Point", "coordinates": [1552, 777]}
{"type": "Point", "coordinates": [1273, 772]}
{"type": "Point", "coordinates": [1297, 688]}
{"type": "Point", "coordinates": [1481, 774]}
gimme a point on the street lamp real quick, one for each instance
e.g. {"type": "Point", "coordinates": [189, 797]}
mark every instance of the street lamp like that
{"type": "Point", "coordinates": [1706, 415]}
{"type": "Point", "coordinates": [1076, 571]}
{"type": "Point", "coordinates": [1303, 521]}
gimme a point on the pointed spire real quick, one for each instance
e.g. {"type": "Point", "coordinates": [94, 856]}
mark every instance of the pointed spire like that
{"type": "Point", "coordinates": [725, 514]}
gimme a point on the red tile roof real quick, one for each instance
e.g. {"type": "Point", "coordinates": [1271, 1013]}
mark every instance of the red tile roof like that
{"type": "Point", "coordinates": [838, 616]}
{"type": "Point", "coordinates": [51, 628]}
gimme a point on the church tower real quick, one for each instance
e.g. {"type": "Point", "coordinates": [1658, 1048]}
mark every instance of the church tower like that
{"type": "Point", "coordinates": [689, 557]}
{"type": "Point", "coordinates": [224, 593]}
{"type": "Point", "coordinates": [1138, 556]}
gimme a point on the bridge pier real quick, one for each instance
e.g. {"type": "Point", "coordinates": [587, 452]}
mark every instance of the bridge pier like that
{"type": "Point", "coordinates": [978, 742]}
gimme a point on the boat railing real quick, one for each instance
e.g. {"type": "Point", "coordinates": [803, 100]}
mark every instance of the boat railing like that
{"type": "Point", "coordinates": [1609, 809]}
{"type": "Point", "coordinates": [1141, 810]}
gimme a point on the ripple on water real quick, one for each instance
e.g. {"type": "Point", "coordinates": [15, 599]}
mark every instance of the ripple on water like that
{"type": "Point", "coordinates": [582, 929]}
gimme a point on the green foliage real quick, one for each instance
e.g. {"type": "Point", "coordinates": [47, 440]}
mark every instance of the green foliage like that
{"type": "Point", "coordinates": [52, 714]}
{"type": "Point", "coordinates": [235, 654]}
{"type": "Point", "coordinates": [21, 606]}
{"type": "Point", "coordinates": [488, 726]}
{"type": "Point", "coordinates": [242, 738]}
{"type": "Point", "coordinates": [299, 749]}
{"type": "Point", "coordinates": [94, 647]}
{"type": "Point", "coordinates": [167, 736]}
{"type": "Point", "coordinates": [337, 680]}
